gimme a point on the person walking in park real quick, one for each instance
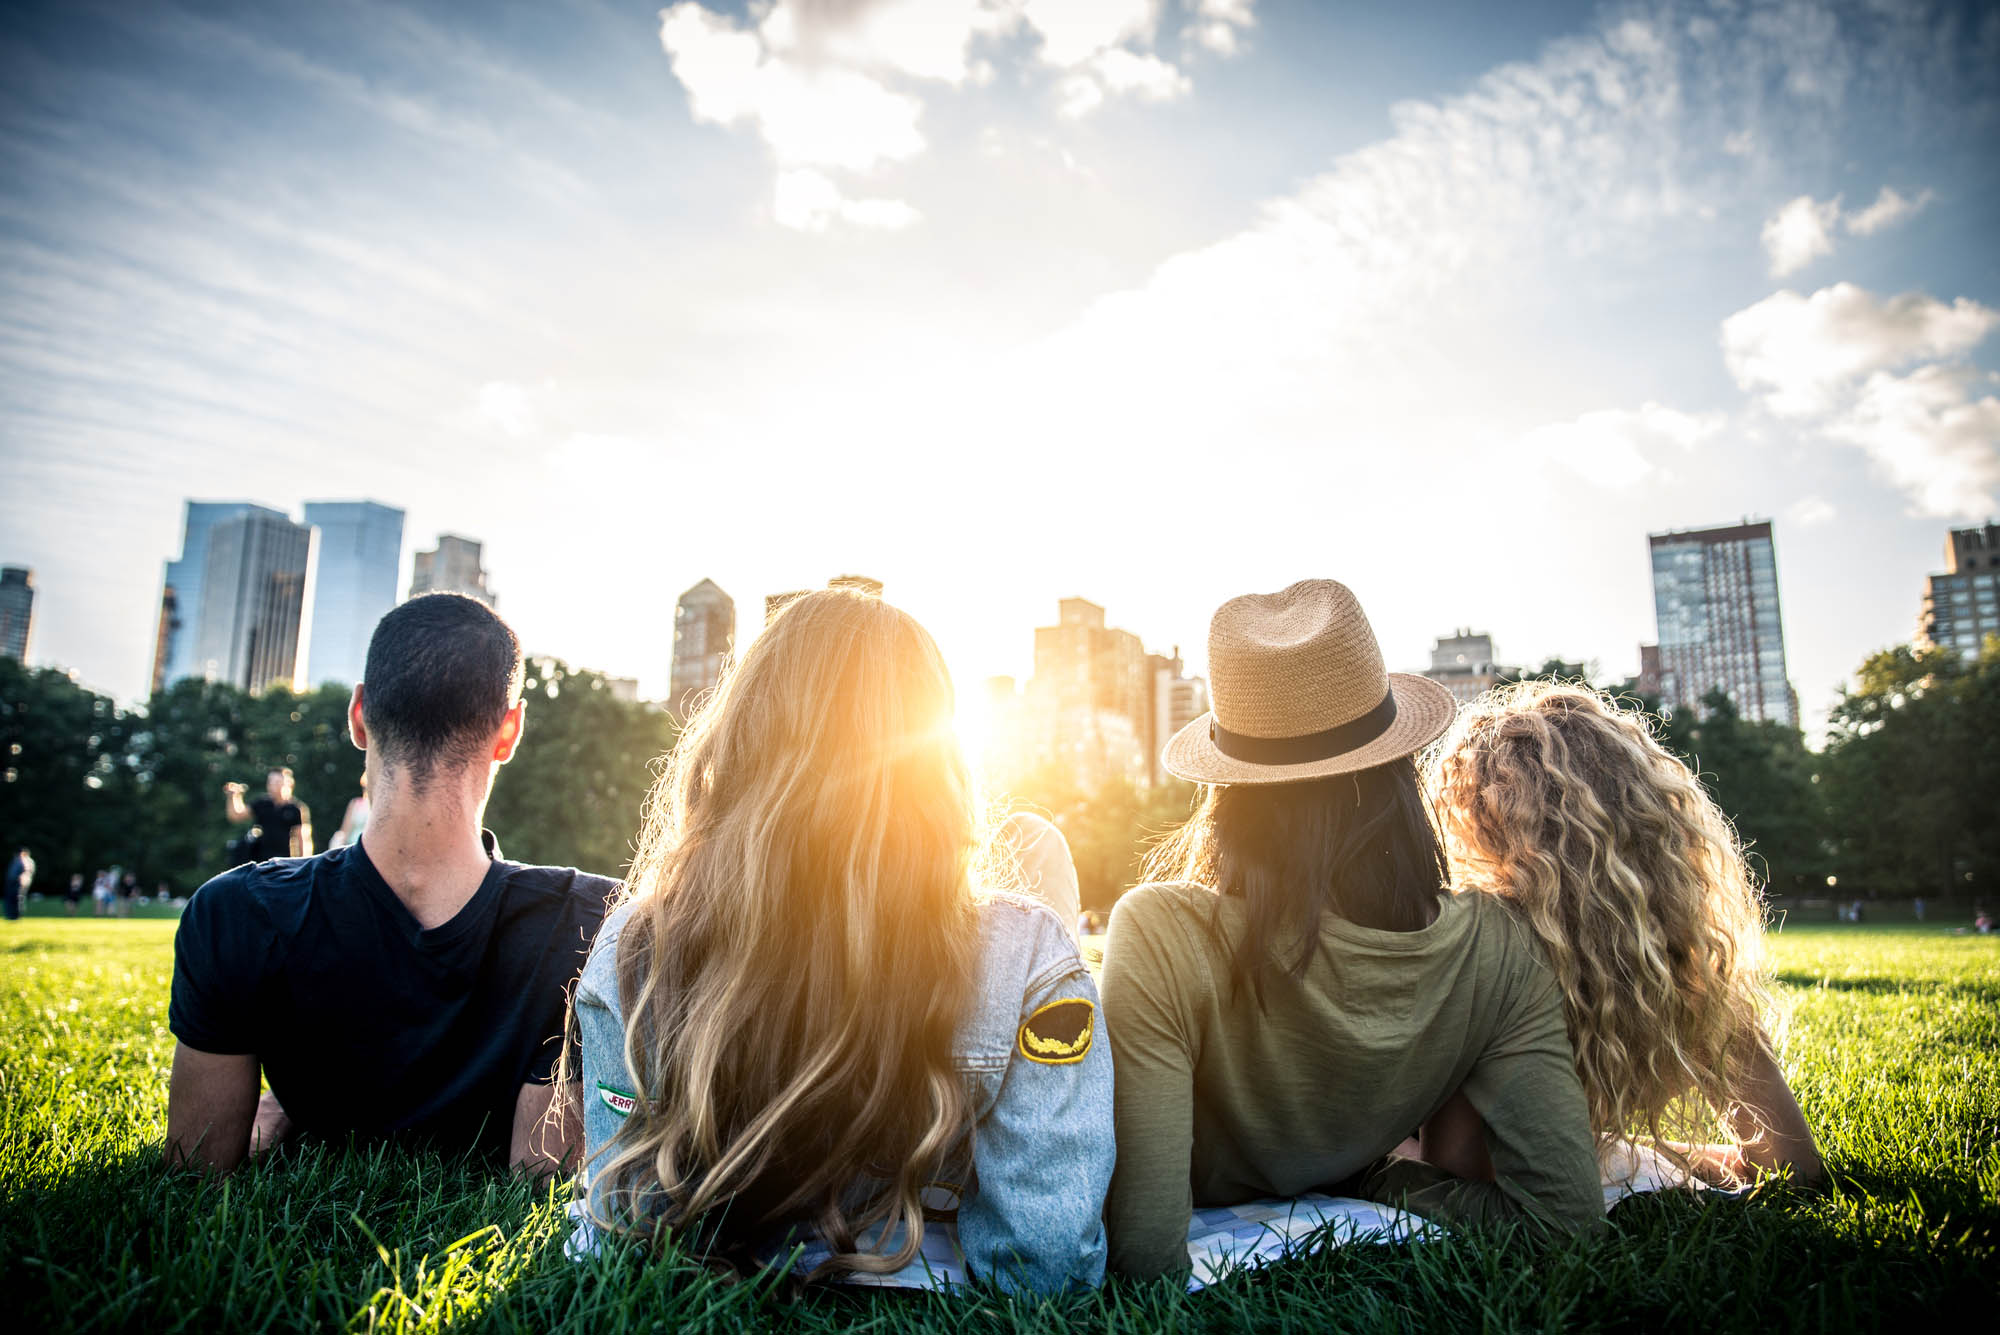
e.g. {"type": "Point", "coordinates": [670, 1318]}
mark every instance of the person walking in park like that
{"type": "Point", "coordinates": [103, 892]}
{"type": "Point", "coordinates": [413, 984]}
{"type": "Point", "coordinates": [1297, 990]}
{"type": "Point", "coordinates": [356, 819]}
{"type": "Point", "coordinates": [1568, 808]}
{"type": "Point", "coordinates": [20, 876]}
{"type": "Point", "coordinates": [283, 825]}
{"type": "Point", "coordinates": [808, 1024]}
{"type": "Point", "coordinates": [73, 894]}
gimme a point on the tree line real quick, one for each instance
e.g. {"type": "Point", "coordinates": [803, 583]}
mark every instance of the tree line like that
{"type": "Point", "coordinates": [1899, 801]}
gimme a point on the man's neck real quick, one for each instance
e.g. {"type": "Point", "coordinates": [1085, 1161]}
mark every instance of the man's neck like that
{"type": "Point", "coordinates": [426, 845]}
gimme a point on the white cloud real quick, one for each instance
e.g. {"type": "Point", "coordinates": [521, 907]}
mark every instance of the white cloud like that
{"type": "Point", "coordinates": [1217, 22]}
{"type": "Point", "coordinates": [505, 406]}
{"type": "Point", "coordinates": [1836, 362]}
{"type": "Point", "coordinates": [1803, 354]}
{"type": "Point", "coordinates": [1616, 448]}
{"type": "Point", "coordinates": [816, 116]}
{"type": "Point", "coordinates": [1888, 209]}
{"type": "Point", "coordinates": [1810, 512]}
{"type": "Point", "coordinates": [809, 201]}
{"type": "Point", "coordinates": [1934, 433]}
{"type": "Point", "coordinates": [1072, 31]}
{"type": "Point", "coordinates": [1800, 233]}
{"type": "Point", "coordinates": [927, 39]}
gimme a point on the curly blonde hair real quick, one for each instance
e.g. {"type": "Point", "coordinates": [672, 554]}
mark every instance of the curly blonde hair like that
{"type": "Point", "coordinates": [1554, 798]}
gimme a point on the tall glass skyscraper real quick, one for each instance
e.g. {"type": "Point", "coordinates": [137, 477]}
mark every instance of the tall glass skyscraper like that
{"type": "Point", "coordinates": [360, 567]}
{"type": "Point", "coordinates": [1715, 592]}
{"type": "Point", "coordinates": [254, 603]}
{"type": "Point", "coordinates": [180, 595]}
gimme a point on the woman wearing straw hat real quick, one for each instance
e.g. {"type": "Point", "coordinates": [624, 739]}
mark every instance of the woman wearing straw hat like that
{"type": "Point", "coordinates": [1298, 990]}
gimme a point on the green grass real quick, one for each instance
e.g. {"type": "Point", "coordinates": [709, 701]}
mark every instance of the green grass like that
{"type": "Point", "coordinates": [1895, 1053]}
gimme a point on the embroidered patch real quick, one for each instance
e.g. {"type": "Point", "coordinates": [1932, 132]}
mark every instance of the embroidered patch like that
{"type": "Point", "coordinates": [1058, 1033]}
{"type": "Point", "coordinates": [617, 1100]}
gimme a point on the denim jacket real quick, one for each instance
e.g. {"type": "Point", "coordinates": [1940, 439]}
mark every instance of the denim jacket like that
{"type": "Point", "coordinates": [1039, 1080]}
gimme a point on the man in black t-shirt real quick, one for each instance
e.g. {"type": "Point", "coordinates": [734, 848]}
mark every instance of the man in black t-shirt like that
{"type": "Point", "coordinates": [413, 984]}
{"type": "Point", "coordinates": [283, 825]}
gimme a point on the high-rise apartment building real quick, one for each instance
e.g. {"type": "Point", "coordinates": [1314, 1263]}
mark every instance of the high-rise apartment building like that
{"type": "Point", "coordinates": [1463, 663]}
{"type": "Point", "coordinates": [453, 567]}
{"type": "Point", "coordinates": [1715, 593]}
{"type": "Point", "coordinates": [255, 602]}
{"type": "Point", "coordinates": [17, 611]}
{"type": "Point", "coordinates": [704, 633]}
{"type": "Point", "coordinates": [1090, 701]}
{"type": "Point", "coordinates": [1177, 700]}
{"type": "Point", "coordinates": [174, 652]}
{"type": "Point", "coordinates": [1959, 607]}
{"type": "Point", "coordinates": [360, 567]}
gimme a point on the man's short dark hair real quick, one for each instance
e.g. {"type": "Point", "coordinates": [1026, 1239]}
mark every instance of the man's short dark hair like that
{"type": "Point", "coordinates": [443, 670]}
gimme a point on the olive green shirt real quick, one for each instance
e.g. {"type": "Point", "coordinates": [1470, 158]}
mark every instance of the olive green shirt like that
{"type": "Point", "coordinates": [1220, 1103]}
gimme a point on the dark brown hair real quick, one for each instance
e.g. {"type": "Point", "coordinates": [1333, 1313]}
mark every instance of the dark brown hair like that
{"type": "Point", "coordinates": [1360, 846]}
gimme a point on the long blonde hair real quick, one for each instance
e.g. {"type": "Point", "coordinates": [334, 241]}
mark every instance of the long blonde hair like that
{"type": "Point", "coordinates": [1554, 798]}
{"type": "Point", "coordinates": [803, 945]}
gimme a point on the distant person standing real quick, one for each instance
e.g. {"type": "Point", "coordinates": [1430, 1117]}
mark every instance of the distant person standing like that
{"type": "Point", "coordinates": [1917, 907]}
{"type": "Point", "coordinates": [74, 894]}
{"type": "Point", "coordinates": [127, 891]}
{"type": "Point", "coordinates": [20, 875]}
{"type": "Point", "coordinates": [283, 825]}
{"type": "Point", "coordinates": [102, 892]}
{"type": "Point", "coordinates": [355, 821]}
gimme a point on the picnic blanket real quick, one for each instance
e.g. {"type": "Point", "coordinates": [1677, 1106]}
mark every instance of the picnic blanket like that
{"type": "Point", "coordinates": [1222, 1239]}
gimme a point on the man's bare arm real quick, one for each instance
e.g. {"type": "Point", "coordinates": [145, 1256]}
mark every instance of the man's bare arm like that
{"type": "Point", "coordinates": [302, 839]}
{"type": "Point", "coordinates": [211, 1104]}
{"type": "Point", "coordinates": [548, 1130]}
{"type": "Point", "coordinates": [234, 805]}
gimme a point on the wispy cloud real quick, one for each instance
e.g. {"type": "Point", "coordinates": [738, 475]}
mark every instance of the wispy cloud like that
{"type": "Point", "coordinates": [1803, 230]}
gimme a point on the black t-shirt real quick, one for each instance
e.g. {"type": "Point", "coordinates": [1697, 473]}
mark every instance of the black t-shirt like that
{"type": "Point", "coordinates": [366, 1023]}
{"type": "Point", "coordinates": [275, 824]}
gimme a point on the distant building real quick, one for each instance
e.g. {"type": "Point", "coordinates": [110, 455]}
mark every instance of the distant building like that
{"type": "Point", "coordinates": [858, 583]}
{"type": "Point", "coordinates": [1176, 701]}
{"type": "Point", "coordinates": [1463, 663]}
{"type": "Point", "coordinates": [704, 634]}
{"type": "Point", "coordinates": [623, 688]}
{"type": "Point", "coordinates": [454, 567]}
{"type": "Point", "coordinates": [1653, 680]}
{"type": "Point", "coordinates": [1090, 702]}
{"type": "Point", "coordinates": [17, 611]}
{"type": "Point", "coordinates": [1959, 607]}
{"type": "Point", "coordinates": [775, 603]}
{"type": "Point", "coordinates": [360, 568]}
{"type": "Point", "coordinates": [1715, 593]}
{"type": "Point", "coordinates": [174, 652]}
{"type": "Point", "coordinates": [254, 604]}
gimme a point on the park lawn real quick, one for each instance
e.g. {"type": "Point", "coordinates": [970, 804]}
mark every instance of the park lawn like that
{"type": "Point", "coordinates": [1894, 1051]}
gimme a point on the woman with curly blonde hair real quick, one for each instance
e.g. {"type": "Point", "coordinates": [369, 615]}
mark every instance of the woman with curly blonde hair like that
{"type": "Point", "coordinates": [1566, 806]}
{"type": "Point", "coordinates": [805, 1026]}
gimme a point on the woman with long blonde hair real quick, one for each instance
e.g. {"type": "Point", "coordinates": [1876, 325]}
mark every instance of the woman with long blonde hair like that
{"type": "Point", "coordinates": [1554, 799]}
{"type": "Point", "coordinates": [804, 1025]}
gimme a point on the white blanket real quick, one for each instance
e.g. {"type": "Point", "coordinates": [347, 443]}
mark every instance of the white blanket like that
{"type": "Point", "coordinates": [1221, 1239]}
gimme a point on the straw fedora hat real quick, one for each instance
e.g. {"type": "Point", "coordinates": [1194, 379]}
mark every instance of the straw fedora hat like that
{"type": "Point", "coordinates": [1299, 691]}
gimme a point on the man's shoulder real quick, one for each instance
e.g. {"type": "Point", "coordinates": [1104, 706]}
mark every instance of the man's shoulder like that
{"type": "Point", "coordinates": [269, 896]}
{"type": "Point", "coordinates": [566, 885]}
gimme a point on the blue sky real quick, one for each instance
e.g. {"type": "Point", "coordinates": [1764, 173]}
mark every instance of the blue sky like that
{"type": "Point", "coordinates": [1155, 301]}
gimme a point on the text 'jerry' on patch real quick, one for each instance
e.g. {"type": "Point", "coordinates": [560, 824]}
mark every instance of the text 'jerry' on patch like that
{"type": "Point", "coordinates": [617, 1100]}
{"type": "Point", "coordinates": [1059, 1032]}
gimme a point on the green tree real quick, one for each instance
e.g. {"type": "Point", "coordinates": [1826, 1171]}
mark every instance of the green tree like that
{"type": "Point", "coordinates": [65, 790]}
{"type": "Point", "coordinates": [574, 793]}
{"type": "Point", "coordinates": [1764, 779]}
{"type": "Point", "coordinates": [1910, 771]}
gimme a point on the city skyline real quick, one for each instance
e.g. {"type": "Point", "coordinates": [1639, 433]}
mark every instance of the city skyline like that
{"type": "Point", "coordinates": [1452, 309]}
